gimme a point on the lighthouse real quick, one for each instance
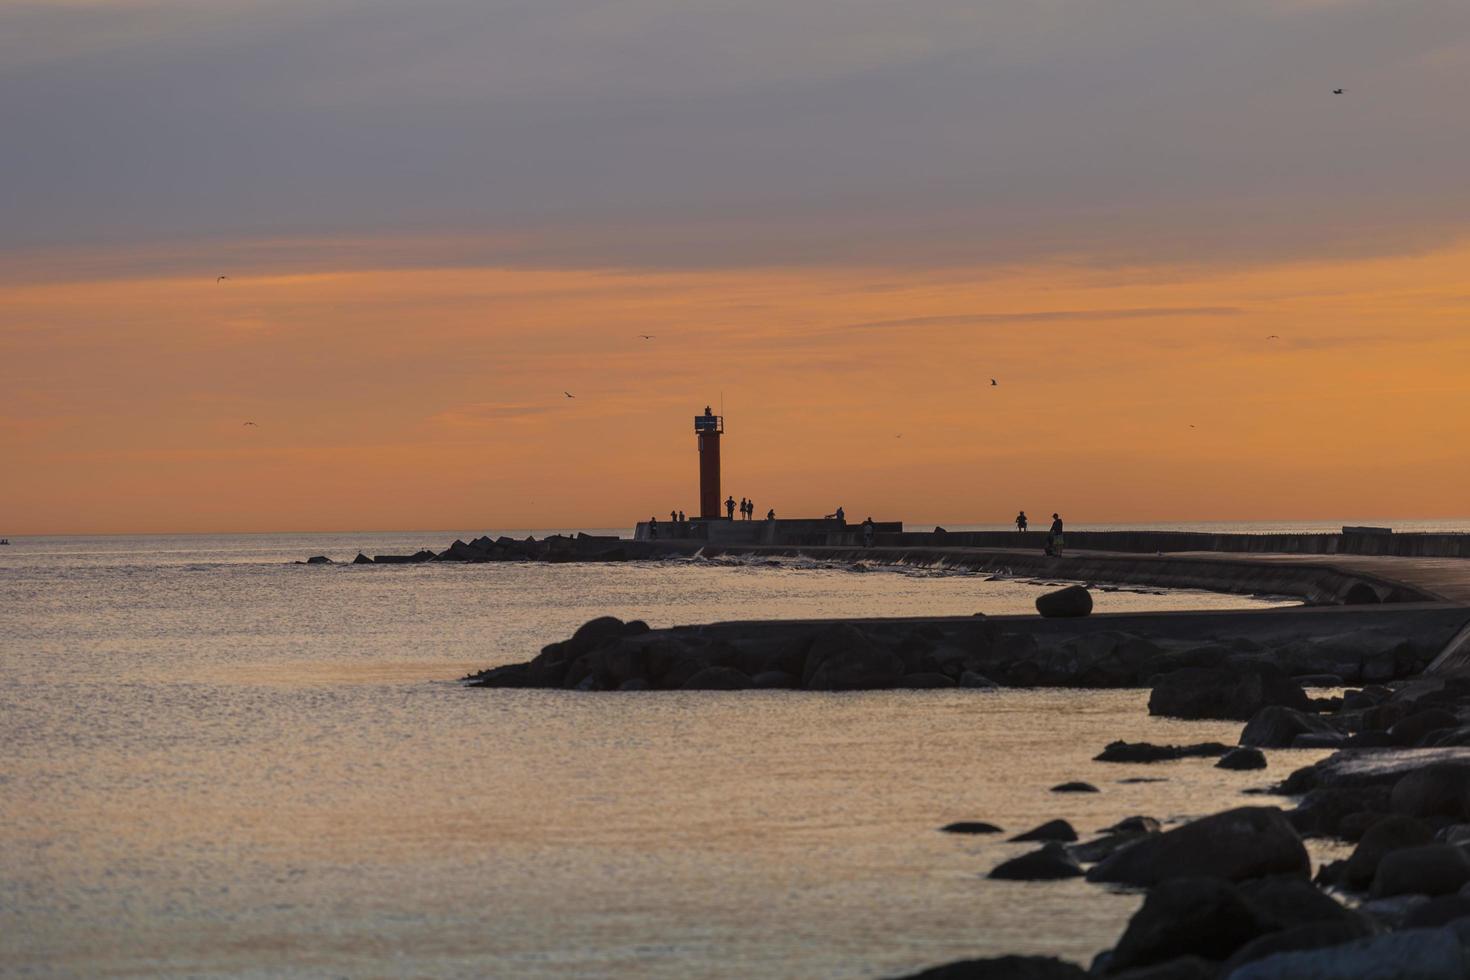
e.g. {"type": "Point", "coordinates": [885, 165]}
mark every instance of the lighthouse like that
{"type": "Point", "coordinates": [708, 428]}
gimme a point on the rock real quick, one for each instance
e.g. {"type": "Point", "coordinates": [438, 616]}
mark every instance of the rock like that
{"type": "Point", "coordinates": [1134, 825]}
{"type": "Point", "coordinates": [1205, 917]}
{"type": "Point", "coordinates": [319, 560]}
{"type": "Point", "coordinates": [1419, 954]}
{"type": "Point", "coordinates": [1074, 787]}
{"type": "Point", "coordinates": [362, 559]}
{"type": "Point", "coordinates": [1145, 752]}
{"type": "Point", "coordinates": [843, 658]}
{"type": "Point", "coordinates": [511, 675]}
{"type": "Point", "coordinates": [1432, 869]}
{"type": "Point", "coordinates": [1276, 727]}
{"type": "Point", "coordinates": [922, 682]}
{"type": "Point", "coordinates": [774, 680]}
{"type": "Point", "coordinates": [1321, 811]}
{"type": "Point", "coordinates": [1455, 833]}
{"type": "Point", "coordinates": [1050, 863]}
{"type": "Point", "coordinates": [1072, 601]}
{"type": "Point", "coordinates": [717, 679]}
{"type": "Point", "coordinates": [1438, 912]}
{"type": "Point", "coordinates": [1101, 848]}
{"type": "Point", "coordinates": [1411, 729]}
{"type": "Point", "coordinates": [971, 679]}
{"type": "Point", "coordinates": [1391, 913]}
{"type": "Point", "coordinates": [1392, 833]}
{"type": "Point", "coordinates": [1318, 740]}
{"type": "Point", "coordinates": [971, 827]}
{"type": "Point", "coordinates": [1242, 759]}
{"type": "Point", "coordinates": [1360, 594]}
{"type": "Point", "coordinates": [1318, 680]}
{"type": "Point", "coordinates": [1003, 968]}
{"type": "Point", "coordinates": [1286, 901]}
{"type": "Point", "coordinates": [1247, 842]}
{"type": "Point", "coordinates": [1315, 935]}
{"type": "Point", "coordinates": [634, 684]}
{"type": "Point", "coordinates": [1052, 830]}
{"type": "Point", "coordinates": [1203, 692]}
{"type": "Point", "coordinates": [1183, 968]}
{"type": "Point", "coordinates": [1434, 791]}
{"type": "Point", "coordinates": [1367, 740]}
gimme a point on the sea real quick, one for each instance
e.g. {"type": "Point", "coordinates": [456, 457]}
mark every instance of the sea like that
{"type": "Point", "coordinates": [216, 762]}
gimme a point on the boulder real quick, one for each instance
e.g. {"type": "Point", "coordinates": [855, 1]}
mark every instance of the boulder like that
{"type": "Point", "coordinates": [971, 827]}
{"type": "Point", "coordinates": [362, 559]}
{"type": "Point", "coordinates": [1183, 968]}
{"type": "Point", "coordinates": [1074, 787]}
{"type": "Point", "coordinates": [842, 658]}
{"type": "Point", "coordinates": [717, 679]}
{"type": "Point", "coordinates": [1433, 791]}
{"type": "Point", "coordinates": [1314, 935]}
{"type": "Point", "coordinates": [1438, 912]}
{"type": "Point", "coordinates": [1418, 954]}
{"type": "Point", "coordinates": [1121, 751]}
{"type": "Point", "coordinates": [1321, 811]}
{"type": "Point", "coordinates": [1134, 825]}
{"type": "Point", "coordinates": [1205, 917]}
{"type": "Point", "coordinates": [1052, 830]}
{"type": "Point", "coordinates": [634, 684]}
{"type": "Point", "coordinates": [1242, 758]}
{"type": "Point", "coordinates": [1392, 833]}
{"type": "Point", "coordinates": [319, 560]}
{"type": "Point", "coordinates": [1003, 968]}
{"type": "Point", "coordinates": [1204, 692]}
{"type": "Point", "coordinates": [1072, 601]}
{"type": "Point", "coordinates": [1050, 863]}
{"type": "Point", "coordinates": [1413, 728]}
{"type": "Point", "coordinates": [1276, 727]}
{"type": "Point", "coordinates": [1360, 594]}
{"type": "Point", "coordinates": [1432, 869]}
{"type": "Point", "coordinates": [970, 678]}
{"type": "Point", "coordinates": [511, 675]}
{"type": "Point", "coordinates": [925, 681]}
{"type": "Point", "coordinates": [1248, 842]}
{"type": "Point", "coordinates": [1286, 901]}
{"type": "Point", "coordinates": [774, 680]}
{"type": "Point", "coordinates": [1100, 848]}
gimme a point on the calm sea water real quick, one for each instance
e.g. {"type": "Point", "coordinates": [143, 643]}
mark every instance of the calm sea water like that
{"type": "Point", "coordinates": [217, 763]}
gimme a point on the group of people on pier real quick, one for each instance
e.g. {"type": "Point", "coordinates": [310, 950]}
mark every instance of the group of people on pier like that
{"type": "Point", "coordinates": [1053, 536]}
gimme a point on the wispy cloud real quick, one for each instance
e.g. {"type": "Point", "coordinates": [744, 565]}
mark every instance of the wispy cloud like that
{"type": "Point", "coordinates": [1048, 316]}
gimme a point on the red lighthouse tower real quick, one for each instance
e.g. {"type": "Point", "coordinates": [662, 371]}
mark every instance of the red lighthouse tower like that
{"type": "Point", "coordinates": [708, 427]}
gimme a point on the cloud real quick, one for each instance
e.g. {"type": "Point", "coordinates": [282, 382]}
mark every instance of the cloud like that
{"type": "Point", "coordinates": [1049, 316]}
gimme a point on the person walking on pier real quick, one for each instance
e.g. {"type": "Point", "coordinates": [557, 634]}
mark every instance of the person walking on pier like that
{"type": "Point", "coordinates": [1021, 522]}
{"type": "Point", "coordinates": [730, 508]}
{"type": "Point", "coordinates": [1054, 536]}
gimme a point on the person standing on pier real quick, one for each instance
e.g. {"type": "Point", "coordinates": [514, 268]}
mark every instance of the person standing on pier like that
{"type": "Point", "coordinates": [1021, 522]}
{"type": "Point", "coordinates": [653, 529]}
{"type": "Point", "coordinates": [730, 508]}
{"type": "Point", "coordinates": [868, 529]}
{"type": "Point", "coordinates": [681, 517]}
{"type": "Point", "coordinates": [673, 517]}
{"type": "Point", "coordinates": [750, 510]}
{"type": "Point", "coordinates": [1054, 536]}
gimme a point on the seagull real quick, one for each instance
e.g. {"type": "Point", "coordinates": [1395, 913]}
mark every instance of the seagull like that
{"type": "Point", "coordinates": [1338, 91]}
{"type": "Point", "coordinates": [251, 423]}
{"type": "Point", "coordinates": [994, 383]}
{"type": "Point", "coordinates": [646, 336]}
{"type": "Point", "coordinates": [1274, 337]}
{"type": "Point", "coordinates": [569, 394]}
{"type": "Point", "coordinates": [218, 278]}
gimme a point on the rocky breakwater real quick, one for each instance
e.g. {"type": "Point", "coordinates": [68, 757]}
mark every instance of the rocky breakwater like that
{"type": "Point", "coordinates": [1231, 674]}
{"type": "Point", "coordinates": [554, 548]}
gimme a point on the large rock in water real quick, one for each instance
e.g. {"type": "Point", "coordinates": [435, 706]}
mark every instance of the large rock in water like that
{"type": "Point", "coordinates": [1248, 842]}
{"type": "Point", "coordinates": [1434, 791]}
{"type": "Point", "coordinates": [1235, 693]}
{"type": "Point", "coordinates": [843, 658]}
{"type": "Point", "coordinates": [1048, 864]}
{"type": "Point", "coordinates": [1276, 727]}
{"type": "Point", "coordinates": [1434, 869]}
{"type": "Point", "coordinates": [1414, 954]}
{"type": "Point", "coordinates": [1003, 968]}
{"type": "Point", "coordinates": [1072, 601]}
{"type": "Point", "coordinates": [1392, 833]}
{"type": "Point", "coordinates": [1201, 916]}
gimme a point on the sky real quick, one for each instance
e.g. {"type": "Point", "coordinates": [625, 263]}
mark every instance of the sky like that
{"type": "Point", "coordinates": [1208, 287]}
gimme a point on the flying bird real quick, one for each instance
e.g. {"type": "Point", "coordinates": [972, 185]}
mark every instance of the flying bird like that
{"type": "Point", "coordinates": [218, 278]}
{"type": "Point", "coordinates": [1338, 91]}
{"type": "Point", "coordinates": [994, 383]}
{"type": "Point", "coordinates": [569, 394]}
{"type": "Point", "coordinates": [646, 336]}
{"type": "Point", "coordinates": [251, 423]}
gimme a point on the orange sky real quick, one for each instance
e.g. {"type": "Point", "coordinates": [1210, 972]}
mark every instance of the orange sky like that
{"type": "Point", "coordinates": [432, 397]}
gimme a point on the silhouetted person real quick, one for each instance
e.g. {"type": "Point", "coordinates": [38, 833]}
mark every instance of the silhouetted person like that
{"type": "Point", "coordinates": [868, 530]}
{"type": "Point", "coordinates": [653, 528]}
{"type": "Point", "coordinates": [730, 508]}
{"type": "Point", "coordinates": [1054, 536]}
{"type": "Point", "coordinates": [682, 519]}
{"type": "Point", "coordinates": [750, 510]}
{"type": "Point", "coordinates": [771, 514]}
{"type": "Point", "coordinates": [673, 517]}
{"type": "Point", "coordinates": [1021, 521]}
{"type": "Point", "coordinates": [841, 516]}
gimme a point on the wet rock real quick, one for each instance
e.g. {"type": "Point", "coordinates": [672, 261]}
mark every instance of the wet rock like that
{"type": "Point", "coordinates": [1287, 901]}
{"type": "Point", "coordinates": [319, 560]}
{"type": "Point", "coordinates": [362, 559]}
{"type": "Point", "coordinates": [1424, 954]}
{"type": "Point", "coordinates": [768, 680]}
{"type": "Point", "coordinates": [1072, 601]}
{"type": "Point", "coordinates": [1242, 759]}
{"type": "Point", "coordinates": [1433, 869]}
{"type": "Point", "coordinates": [1146, 752]}
{"type": "Point", "coordinates": [1100, 848]}
{"type": "Point", "coordinates": [1319, 740]}
{"type": "Point", "coordinates": [1074, 787]}
{"type": "Point", "coordinates": [1321, 811]}
{"type": "Point", "coordinates": [1413, 728]}
{"type": "Point", "coordinates": [1438, 912]}
{"type": "Point", "coordinates": [1276, 727]}
{"type": "Point", "coordinates": [1392, 833]}
{"type": "Point", "coordinates": [1134, 825]}
{"type": "Point", "coordinates": [1318, 680]}
{"type": "Point", "coordinates": [1202, 692]}
{"type": "Point", "coordinates": [843, 658]}
{"type": "Point", "coordinates": [1360, 594]}
{"type": "Point", "coordinates": [1050, 863]}
{"type": "Point", "coordinates": [1437, 790]}
{"type": "Point", "coordinates": [1183, 968]}
{"type": "Point", "coordinates": [1003, 968]}
{"type": "Point", "coordinates": [1052, 830]}
{"type": "Point", "coordinates": [1200, 916]}
{"type": "Point", "coordinates": [511, 675]}
{"type": "Point", "coordinates": [970, 678]}
{"type": "Point", "coordinates": [971, 827]}
{"type": "Point", "coordinates": [634, 684]}
{"type": "Point", "coordinates": [1247, 842]}
{"type": "Point", "coordinates": [717, 679]}
{"type": "Point", "coordinates": [1391, 913]}
{"type": "Point", "coordinates": [1315, 935]}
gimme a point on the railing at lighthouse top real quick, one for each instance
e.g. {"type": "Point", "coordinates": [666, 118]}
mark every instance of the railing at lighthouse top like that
{"type": "Point", "coordinates": [709, 423]}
